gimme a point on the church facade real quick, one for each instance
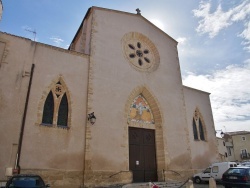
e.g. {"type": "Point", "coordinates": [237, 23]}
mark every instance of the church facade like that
{"type": "Point", "coordinates": [123, 70]}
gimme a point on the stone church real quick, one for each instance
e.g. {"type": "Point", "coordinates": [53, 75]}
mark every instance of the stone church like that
{"type": "Point", "coordinates": [110, 109]}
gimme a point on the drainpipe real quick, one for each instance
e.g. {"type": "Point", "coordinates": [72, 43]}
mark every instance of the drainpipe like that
{"type": "Point", "coordinates": [17, 166]}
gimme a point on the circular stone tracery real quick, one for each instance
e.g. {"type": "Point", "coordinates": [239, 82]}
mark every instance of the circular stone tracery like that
{"type": "Point", "coordinates": [140, 52]}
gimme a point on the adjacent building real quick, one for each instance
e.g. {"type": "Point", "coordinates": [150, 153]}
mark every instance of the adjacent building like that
{"type": "Point", "coordinates": [238, 146]}
{"type": "Point", "coordinates": [123, 72]}
{"type": "Point", "coordinates": [223, 152]}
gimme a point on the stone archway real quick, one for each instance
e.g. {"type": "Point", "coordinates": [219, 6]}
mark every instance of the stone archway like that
{"type": "Point", "coordinates": [157, 126]}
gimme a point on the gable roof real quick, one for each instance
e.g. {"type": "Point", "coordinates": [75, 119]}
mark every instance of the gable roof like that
{"type": "Point", "coordinates": [117, 11]}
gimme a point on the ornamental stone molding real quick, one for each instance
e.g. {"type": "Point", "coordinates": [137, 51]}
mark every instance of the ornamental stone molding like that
{"type": "Point", "coordinates": [140, 52]}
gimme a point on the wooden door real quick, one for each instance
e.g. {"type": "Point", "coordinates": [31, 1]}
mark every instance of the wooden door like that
{"type": "Point", "coordinates": [142, 154]}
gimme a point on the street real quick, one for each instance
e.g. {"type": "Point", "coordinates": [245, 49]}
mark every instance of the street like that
{"type": "Point", "coordinates": [206, 185]}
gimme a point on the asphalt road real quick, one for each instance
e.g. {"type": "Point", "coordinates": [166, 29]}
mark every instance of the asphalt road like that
{"type": "Point", "coordinates": [206, 185]}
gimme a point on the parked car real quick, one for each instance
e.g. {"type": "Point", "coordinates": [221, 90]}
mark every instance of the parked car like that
{"type": "Point", "coordinates": [236, 177]}
{"type": "Point", "coordinates": [245, 164]}
{"type": "Point", "coordinates": [215, 171]}
{"type": "Point", "coordinates": [26, 181]}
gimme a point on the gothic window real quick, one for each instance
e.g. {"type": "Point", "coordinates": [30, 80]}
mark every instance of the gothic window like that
{"type": "Point", "coordinates": [201, 130]}
{"type": "Point", "coordinates": [48, 110]}
{"type": "Point", "coordinates": [195, 130]}
{"type": "Point", "coordinates": [198, 126]}
{"type": "Point", "coordinates": [63, 112]}
{"type": "Point", "coordinates": [56, 107]}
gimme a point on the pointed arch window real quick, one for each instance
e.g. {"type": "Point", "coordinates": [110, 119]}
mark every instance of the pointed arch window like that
{"type": "Point", "coordinates": [48, 110]}
{"type": "Point", "coordinates": [56, 107]}
{"type": "Point", "coordinates": [198, 126]}
{"type": "Point", "coordinates": [202, 137]}
{"type": "Point", "coordinates": [195, 130]}
{"type": "Point", "coordinates": [63, 111]}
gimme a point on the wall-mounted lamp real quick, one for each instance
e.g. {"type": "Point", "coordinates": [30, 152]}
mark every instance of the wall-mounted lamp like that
{"type": "Point", "coordinates": [91, 118]}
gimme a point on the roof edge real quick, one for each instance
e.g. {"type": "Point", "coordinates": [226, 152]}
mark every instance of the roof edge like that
{"type": "Point", "coordinates": [196, 89]}
{"type": "Point", "coordinates": [118, 11]}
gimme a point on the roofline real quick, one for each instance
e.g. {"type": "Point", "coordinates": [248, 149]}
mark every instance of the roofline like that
{"type": "Point", "coordinates": [118, 11]}
{"type": "Point", "coordinates": [47, 45]}
{"type": "Point", "coordinates": [236, 133]}
{"type": "Point", "coordinates": [86, 15]}
{"type": "Point", "coordinates": [196, 89]}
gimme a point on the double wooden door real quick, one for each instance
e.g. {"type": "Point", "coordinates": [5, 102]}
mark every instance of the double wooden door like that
{"type": "Point", "coordinates": [142, 154]}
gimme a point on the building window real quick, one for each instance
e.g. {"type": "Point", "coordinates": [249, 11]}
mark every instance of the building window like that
{"type": "Point", "coordinates": [62, 119]}
{"type": "Point", "coordinates": [202, 137]}
{"type": "Point", "coordinates": [243, 138]}
{"type": "Point", "coordinates": [48, 110]}
{"type": "Point", "coordinates": [198, 126]}
{"type": "Point", "coordinates": [229, 151]}
{"type": "Point", "coordinates": [56, 107]}
{"type": "Point", "coordinates": [140, 52]}
{"type": "Point", "coordinates": [195, 130]}
{"type": "Point", "coordinates": [244, 154]}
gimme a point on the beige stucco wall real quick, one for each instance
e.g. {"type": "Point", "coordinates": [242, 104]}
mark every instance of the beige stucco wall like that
{"type": "Point", "coordinates": [240, 144]}
{"type": "Point", "coordinates": [44, 148]}
{"type": "Point", "coordinates": [203, 152]}
{"type": "Point", "coordinates": [113, 81]}
{"type": "Point", "coordinates": [229, 145]}
{"type": "Point", "coordinates": [81, 42]}
{"type": "Point", "coordinates": [222, 149]}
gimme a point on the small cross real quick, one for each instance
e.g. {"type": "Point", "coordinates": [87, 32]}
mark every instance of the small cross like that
{"type": "Point", "coordinates": [138, 11]}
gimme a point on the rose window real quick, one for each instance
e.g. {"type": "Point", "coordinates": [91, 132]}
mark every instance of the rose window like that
{"type": "Point", "coordinates": [140, 52]}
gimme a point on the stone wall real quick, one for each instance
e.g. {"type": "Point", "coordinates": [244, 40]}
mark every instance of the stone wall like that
{"type": "Point", "coordinates": [59, 178]}
{"type": "Point", "coordinates": [104, 178]}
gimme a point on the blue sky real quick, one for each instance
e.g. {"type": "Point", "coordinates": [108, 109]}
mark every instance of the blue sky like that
{"type": "Point", "coordinates": [213, 36]}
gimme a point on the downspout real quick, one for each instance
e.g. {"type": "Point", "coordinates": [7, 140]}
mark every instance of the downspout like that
{"type": "Point", "coordinates": [17, 166]}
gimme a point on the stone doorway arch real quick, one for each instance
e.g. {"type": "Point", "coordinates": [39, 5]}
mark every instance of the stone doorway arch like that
{"type": "Point", "coordinates": [157, 125]}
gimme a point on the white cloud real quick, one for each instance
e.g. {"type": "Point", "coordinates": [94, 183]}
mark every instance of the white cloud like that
{"type": "Point", "coordinates": [57, 40]}
{"type": "Point", "coordinates": [182, 40]}
{"type": "Point", "coordinates": [230, 95]}
{"type": "Point", "coordinates": [213, 23]}
{"type": "Point", "coordinates": [246, 35]}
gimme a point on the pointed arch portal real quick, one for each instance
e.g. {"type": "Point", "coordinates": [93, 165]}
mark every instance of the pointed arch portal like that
{"type": "Point", "coordinates": [145, 137]}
